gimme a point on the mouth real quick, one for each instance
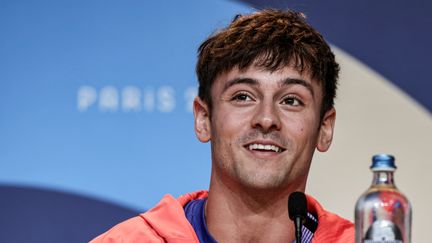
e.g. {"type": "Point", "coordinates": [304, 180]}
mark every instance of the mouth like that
{"type": "Point", "coordinates": [260, 147]}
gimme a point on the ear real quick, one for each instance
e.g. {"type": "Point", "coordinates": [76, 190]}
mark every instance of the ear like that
{"type": "Point", "coordinates": [202, 120]}
{"type": "Point", "coordinates": [325, 136]}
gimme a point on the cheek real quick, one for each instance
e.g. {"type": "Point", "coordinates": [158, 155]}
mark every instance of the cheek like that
{"type": "Point", "coordinates": [296, 125]}
{"type": "Point", "coordinates": [229, 124]}
{"type": "Point", "coordinates": [301, 127]}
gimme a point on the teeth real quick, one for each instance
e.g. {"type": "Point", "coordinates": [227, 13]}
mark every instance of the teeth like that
{"type": "Point", "coordinates": [264, 147]}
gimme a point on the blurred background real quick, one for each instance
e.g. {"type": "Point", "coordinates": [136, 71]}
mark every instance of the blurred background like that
{"type": "Point", "coordinates": [95, 107]}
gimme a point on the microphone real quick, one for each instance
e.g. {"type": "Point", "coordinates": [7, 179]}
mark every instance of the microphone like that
{"type": "Point", "coordinates": [297, 210]}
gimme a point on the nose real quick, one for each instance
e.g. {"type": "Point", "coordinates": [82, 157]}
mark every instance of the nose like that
{"type": "Point", "coordinates": [266, 117]}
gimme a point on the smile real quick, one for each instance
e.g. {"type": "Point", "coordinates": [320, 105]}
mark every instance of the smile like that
{"type": "Point", "coordinates": [265, 147]}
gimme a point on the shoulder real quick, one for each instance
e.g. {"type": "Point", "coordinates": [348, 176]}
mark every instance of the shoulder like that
{"type": "Point", "coordinates": [166, 220]}
{"type": "Point", "coordinates": [132, 230]}
{"type": "Point", "coordinates": [331, 227]}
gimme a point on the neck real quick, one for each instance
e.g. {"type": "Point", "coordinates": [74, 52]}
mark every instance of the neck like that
{"type": "Point", "coordinates": [238, 214]}
{"type": "Point", "coordinates": [383, 178]}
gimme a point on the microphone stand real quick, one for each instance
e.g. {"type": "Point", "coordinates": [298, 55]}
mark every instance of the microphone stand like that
{"type": "Point", "coordinates": [298, 229]}
{"type": "Point", "coordinates": [297, 210]}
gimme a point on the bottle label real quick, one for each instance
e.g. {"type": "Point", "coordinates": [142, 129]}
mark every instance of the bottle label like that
{"type": "Point", "coordinates": [383, 231]}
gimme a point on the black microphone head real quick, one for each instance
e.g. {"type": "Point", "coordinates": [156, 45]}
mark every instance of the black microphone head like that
{"type": "Point", "coordinates": [297, 205]}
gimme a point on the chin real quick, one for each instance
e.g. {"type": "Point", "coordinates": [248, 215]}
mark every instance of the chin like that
{"type": "Point", "coordinates": [268, 181]}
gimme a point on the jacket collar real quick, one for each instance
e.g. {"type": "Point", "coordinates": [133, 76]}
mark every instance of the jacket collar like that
{"type": "Point", "coordinates": [169, 221]}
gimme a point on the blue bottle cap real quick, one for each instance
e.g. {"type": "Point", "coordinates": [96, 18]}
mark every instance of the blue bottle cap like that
{"type": "Point", "coordinates": [383, 162]}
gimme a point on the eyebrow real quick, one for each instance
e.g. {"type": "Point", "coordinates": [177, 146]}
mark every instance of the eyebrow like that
{"type": "Point", "coordinates": [290, 81]}
{"type": "Point", "coordinates": [235, 81]}
{"type": "Point", "coordinates": [254, 82]}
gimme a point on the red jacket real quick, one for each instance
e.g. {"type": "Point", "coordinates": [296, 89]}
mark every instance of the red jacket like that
{"type": "Point", "coordinates": [167, 223]}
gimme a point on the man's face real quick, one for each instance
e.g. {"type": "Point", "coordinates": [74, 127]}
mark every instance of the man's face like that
{"type": "Point", "coordinates": [264, 127]}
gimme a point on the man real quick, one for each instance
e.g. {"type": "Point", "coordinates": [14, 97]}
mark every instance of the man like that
{"type": "Point", "coordinates": [265, 101]}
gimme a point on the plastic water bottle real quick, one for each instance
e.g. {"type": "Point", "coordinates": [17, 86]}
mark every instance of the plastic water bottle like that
{"type": "Point", "coordinates": [383, 213]}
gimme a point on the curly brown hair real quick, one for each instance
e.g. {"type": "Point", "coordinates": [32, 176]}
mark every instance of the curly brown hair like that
{"type": "Point", "coordinates": [270, 39]}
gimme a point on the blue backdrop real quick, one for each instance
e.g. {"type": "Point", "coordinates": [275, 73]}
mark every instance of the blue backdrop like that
{"type": "Point", "coordinates": [95, 99]}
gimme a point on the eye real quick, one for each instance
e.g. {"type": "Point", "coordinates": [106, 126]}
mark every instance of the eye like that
{"type": "Point", "coordinates": [242, 97]}
{"type": "Point", "coordinates": [292, 101]}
